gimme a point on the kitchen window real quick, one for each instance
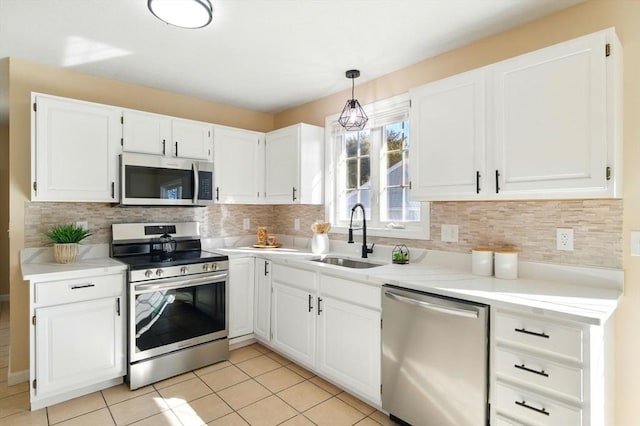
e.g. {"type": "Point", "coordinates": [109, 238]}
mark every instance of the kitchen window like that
{"type": "Point", "coordinates": [371, 167]}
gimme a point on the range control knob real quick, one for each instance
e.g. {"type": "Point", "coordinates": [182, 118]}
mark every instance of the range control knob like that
{"type": "Point", "coordinates": [184, 270]}
{"type": "Point", "coordinates": [148, 273]}
{"type": "Point", "coordinates": [206, 267]}
{"type": "Point", "coordinates": [159, 272]}
{"type": "Point", "coordinates": [214, 266]}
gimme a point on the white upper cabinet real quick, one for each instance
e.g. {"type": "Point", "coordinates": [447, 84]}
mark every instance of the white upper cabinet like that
{"type": "Point", "coordinates": [149, 133]}
{"type": "Point", "coordinates": [546, 124]}
{"type": "Point", "coordinates": [192, 139]}
{"type": "Point", "coordinates": [294, 165]}
{"type": "Point", "coordinates": [448, 123]}
{"type": "Point", "coordinates": [145, 132]}
{"type": "Point", "coordinates": [239, 165]}
{"type": "Point", "coordinates": [74, 151]}
{"type": "Point", "coordinates": [553, 109]}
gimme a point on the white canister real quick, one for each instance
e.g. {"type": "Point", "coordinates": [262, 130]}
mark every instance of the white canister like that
{"type": "Point", "coordinates": [482, 261]}
{"type": "Point", "coordinates": [506, 264]}
{"type": "Point", "coordinates": [320, 244]}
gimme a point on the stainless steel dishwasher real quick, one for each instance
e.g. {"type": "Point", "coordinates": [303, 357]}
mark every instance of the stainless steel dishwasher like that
{"type": "Point", "coordinates": [434, 359]}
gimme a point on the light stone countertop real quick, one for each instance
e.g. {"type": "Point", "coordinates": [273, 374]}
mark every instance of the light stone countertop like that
{"type": "Point", "coordinates": [37, 264]}
{"type": "Point", "coordinates": [582, 294]}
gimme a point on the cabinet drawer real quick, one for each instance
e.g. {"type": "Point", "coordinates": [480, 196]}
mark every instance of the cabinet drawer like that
{"type": "Point", "coordinates": [299, 278]}
{"type": "Point", "coordinates": [541, 372]}
{"type": "Point", "coordinates": [540, 335]}
{"type": "Point", "coordinates": [351, 291]}
{"type": "Point", "coordinates": [76, 290]}
{"type": "Point", "coordinates": [530, 408]}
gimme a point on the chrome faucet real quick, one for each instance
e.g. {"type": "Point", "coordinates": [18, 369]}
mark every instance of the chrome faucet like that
{"type": "Point", "coordinates": [365, 249]}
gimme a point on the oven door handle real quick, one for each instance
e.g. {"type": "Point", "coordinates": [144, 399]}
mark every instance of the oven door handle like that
{"type": "Point", "coordinates": [180, 283]}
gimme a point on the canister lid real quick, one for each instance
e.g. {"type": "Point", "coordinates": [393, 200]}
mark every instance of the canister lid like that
{"type": "Point", "coordinates": [482, 249]}
{"type": "Point", "coordinates": [506, 251]}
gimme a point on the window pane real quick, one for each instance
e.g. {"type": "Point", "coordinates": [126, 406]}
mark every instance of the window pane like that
{"type": "Point", "coordinates": [396, 137]}
{"type": "Point", "coordinates": [395, 169]}
{"type": "Point", "coordinates": [365, 172]}
{"type": "Point", "coordinates": [351, 168]}
{"type": "Point", "coordinates": [399, 208]}
{"type": "Point", "coordinates": [365, 142]}
{"type": "Point", "coordinates": [351, 145]}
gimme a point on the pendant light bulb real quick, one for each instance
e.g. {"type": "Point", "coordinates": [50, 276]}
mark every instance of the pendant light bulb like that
{"type": "Point", "coordinates": [353, 116]}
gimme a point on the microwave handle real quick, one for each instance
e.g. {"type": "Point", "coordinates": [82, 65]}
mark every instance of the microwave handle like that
{"type": "Point", "coordinates": [196, 182]}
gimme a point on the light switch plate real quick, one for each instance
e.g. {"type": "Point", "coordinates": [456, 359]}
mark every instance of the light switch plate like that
{"type": "Point", "coordinates": [296, 224]}
{"type": "Point", "coordinates": [246, 224]}
{"type": "Point", "coordinates": [449, 233]}
{"type": "Point", "coordinates": [635, 243]}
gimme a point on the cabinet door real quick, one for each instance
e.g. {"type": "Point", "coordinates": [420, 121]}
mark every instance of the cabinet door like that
{"type": "Point", "coordinates": [146, 133]}
{"type": "Point", "coordinates": [78, 344]}
{"type": "Point", "coordinates": [191, 139]}
{"type": "Point", "coordinates": [349, 346]}
{"type": "Point", "coordinates": [262, 316]}
{"type": "Point", "coordinates": [282, 164]}
{"type": "Point", "coordinates": [550, 120]}
{"type": "Point", "coordinates": [293, 323]}
{"type": "Point", "coordinates": [239, 165]}
{"type": "Point", "coordinates": [447, 156]}
{"type": "Point", "coordinates": [75, 147]}
{"type": "Point", "coordinates": [241, 278]}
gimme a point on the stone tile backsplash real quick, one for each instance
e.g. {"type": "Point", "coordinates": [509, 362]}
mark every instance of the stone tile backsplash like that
{"type": "Point", "coordinates": [527, 226]}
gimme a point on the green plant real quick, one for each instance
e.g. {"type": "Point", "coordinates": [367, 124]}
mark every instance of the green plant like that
{"type": "Point", "coordinates": [65, 234]}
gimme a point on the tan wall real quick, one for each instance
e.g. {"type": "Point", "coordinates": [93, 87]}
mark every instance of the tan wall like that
{"type": "Point", "coordinates": [25, 77]}
{"type": "Point", "coordinates": [4, 176]}
{"type": "Point", "coordinates": [582, 19]}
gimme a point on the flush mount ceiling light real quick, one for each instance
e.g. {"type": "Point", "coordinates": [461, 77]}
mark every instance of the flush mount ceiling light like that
{"type": "Point", "coordinates": [182, 13]}
{"type": "Point", "coordinates": [353, 116]}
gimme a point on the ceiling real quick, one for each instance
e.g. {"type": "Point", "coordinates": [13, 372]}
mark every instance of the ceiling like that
{"type": "Point", "coordinates": [264, 55]}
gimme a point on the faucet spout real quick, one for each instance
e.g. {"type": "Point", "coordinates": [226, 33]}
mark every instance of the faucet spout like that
{"type": "Point", "coordinates": [365, 249]}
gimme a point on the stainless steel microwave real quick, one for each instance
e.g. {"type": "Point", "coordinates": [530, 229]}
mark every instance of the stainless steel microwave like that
{"type": "Point", "coordinates": [155, 180]}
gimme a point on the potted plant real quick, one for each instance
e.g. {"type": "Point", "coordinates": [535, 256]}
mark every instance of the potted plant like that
{"type": "Point", "coordinates": [65, 241]}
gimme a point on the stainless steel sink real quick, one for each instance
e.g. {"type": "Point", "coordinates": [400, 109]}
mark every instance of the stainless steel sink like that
{"type": "Point", "coordinates": [347, 262]}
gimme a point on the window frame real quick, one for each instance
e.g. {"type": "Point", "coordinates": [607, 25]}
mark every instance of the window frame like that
{"type": "Point", "coordinates": [378, 113]}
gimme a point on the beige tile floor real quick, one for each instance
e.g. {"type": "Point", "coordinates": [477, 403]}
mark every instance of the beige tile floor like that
{"type": "Point", "coordinates": [254, 387]}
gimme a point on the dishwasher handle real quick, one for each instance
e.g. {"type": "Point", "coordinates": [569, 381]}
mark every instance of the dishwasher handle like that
{"type": "Point", "coordinates": [449, 310]}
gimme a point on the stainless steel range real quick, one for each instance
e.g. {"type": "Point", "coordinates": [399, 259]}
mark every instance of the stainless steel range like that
{"type": "Point", "coordinates": [177, 300]}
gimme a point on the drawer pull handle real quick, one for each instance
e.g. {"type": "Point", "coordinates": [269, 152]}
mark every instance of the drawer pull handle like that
{"type": "Point", "coordinates": [531, 370]}
{"type": "Point", "coordinates": [75, 287]}
{"type": "Point", "coordinates": [532, 333]}
{"type": "Point", "coordinates": [537, 410]}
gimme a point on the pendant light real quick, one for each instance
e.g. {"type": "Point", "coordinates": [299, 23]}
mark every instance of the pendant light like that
{"type": "Point", "coordinates": [182, 13]}
{"type": "Point", "coordinates": [353, 116]}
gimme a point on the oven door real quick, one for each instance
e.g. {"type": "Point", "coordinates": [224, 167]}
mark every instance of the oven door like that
{"type": "Point", "coordinates": [170, 314]}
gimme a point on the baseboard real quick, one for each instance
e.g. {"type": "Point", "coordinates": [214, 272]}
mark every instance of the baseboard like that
{"type": "Point", "coordinates": [4, 297]}
{"type": "Point", "coordinates": [14, 378]}
{"type": "Point", "coordinates": [238, 342]}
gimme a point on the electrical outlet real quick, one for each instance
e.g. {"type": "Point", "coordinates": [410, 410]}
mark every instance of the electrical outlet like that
{"type": "Point", "coordinates": [83, 224]}
{"type": "Point", "coordinates": [296, 224]}
{"type": "Point", "coordinates": [246, 224]}
{"type": "Point", "coordinates": [449, 233]}
{"type": "Point", "coordinates": [564, 239]}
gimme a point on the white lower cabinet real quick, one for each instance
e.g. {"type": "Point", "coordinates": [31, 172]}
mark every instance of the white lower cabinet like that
{"type": "Point", "coordinates": [241, 294]}
{"type": "Point", "coordinates": [262, 300]}
{"type": "Point", "coordinates": [550, 372]}
{"type": "Point", "coordinates": [293, 313]}
{"type": "Point", "coordinates": [329, 325]}
{"type": "Point", "coordinates": [77, 337]}
{"type": "Point", "coordinates": [349, 335]}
